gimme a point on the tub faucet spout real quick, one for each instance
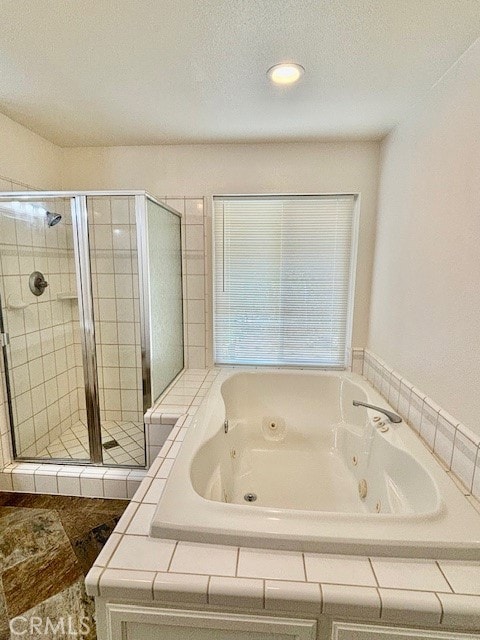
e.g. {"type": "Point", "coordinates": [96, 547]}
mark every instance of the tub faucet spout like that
{"type": "Point", "coordinates": [393, 417]}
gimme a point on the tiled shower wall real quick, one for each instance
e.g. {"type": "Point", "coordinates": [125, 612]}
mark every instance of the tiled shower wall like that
{"type": "Point", "coordinates": [44, 356]}
{"type": "Point", "coordinates": [453, 444]}
{"type": "Point", "coordinates": [197, 306]}
{"type": "Point", "coordinates": [114, 264]}
{"type": "Point", "coordinates": [46, 361]}
{"type": "Point", "coordinates": [196, 269]}
{"type": "Point", "coordinates": [7, 184]}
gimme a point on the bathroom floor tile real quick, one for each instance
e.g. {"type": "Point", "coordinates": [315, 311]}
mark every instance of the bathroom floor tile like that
{"type": "Point", "coordinates": [72, 601]}
{"type": "Point", "coordinates": [52, 541]}
{"type": "Point", "coordinates": [29, 582]}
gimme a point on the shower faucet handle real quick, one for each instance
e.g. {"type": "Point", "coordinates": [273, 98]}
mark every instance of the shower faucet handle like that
{"type": "Point", "coordinates": [37, 283]}
{"type": "Point", "coordinates": [41, 284]}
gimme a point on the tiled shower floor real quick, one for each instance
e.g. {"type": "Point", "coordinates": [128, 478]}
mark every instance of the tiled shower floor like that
{"type": "Point", "coordinates": [74, 443]}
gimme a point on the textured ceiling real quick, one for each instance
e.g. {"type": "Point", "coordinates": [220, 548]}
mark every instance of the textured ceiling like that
{"type": "Point", "coordinates": [114, 72]}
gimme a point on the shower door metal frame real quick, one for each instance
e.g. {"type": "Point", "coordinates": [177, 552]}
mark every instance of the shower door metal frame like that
{"type": "Point", "coordinates": [78, 200]}
{"type": "Point", "coordinates": [144, 293]}
{"type": "Point", "coordinates": [5, 341]}
{"type": "Point", "coordinates": [87, 325]}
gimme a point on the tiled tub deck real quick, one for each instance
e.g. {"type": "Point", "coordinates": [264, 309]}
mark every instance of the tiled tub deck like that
{"type": "Point", "coordinates": [135, 567]}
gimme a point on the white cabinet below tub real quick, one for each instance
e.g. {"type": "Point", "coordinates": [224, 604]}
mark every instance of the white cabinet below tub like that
{"type": "Point", "coordinates": [347, 631]}
{"type": "Point", "coordinates": [132, 622]}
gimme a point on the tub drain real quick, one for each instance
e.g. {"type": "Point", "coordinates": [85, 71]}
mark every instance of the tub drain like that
{"type": "Point", "coordinates": [250, 497]}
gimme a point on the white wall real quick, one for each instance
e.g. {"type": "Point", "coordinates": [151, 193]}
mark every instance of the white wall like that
{"type": "Point", "coordinates": [26, 158]}
{"type": "Point", "coordinates": [27, 161]}
{"type": "Point", "coordinates": [425, 312]}
{"type": "Point", "coordinates": [202, 170]}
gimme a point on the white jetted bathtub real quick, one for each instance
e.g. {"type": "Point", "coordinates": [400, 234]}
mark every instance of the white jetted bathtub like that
{"type": "Point", "coordinates": [282, 459]}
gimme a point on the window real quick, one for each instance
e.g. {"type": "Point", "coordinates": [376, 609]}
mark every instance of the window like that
{"type": "Point", "coordinates": [283, 281]}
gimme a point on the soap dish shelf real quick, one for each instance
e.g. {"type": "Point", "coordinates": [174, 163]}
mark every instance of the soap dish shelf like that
{"type": "Point", "coordinates": [16, 302]}
{"type": "Point", "coordinates": [67, 295]}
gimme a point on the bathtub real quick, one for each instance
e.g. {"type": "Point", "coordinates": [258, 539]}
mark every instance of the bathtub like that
{"type": "Point", "coordinates": [282, 459]}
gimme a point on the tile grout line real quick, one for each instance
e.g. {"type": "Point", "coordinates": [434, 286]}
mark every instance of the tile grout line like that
{"type": "Point", "coordinates": [103, 569]}
{"type": "Point", "coordinates": [444, 576]}
{"type": "Point", "coordinates": [237, 562]}
{"type": "Point", "coordinates": [304, 563]}
{"type": "Point", "coordinates": [171, 558]}
{"type": "Point", "coordinates": [475, 469]}
{"type": "Point", "coordinates": [155, 573]}
{"type": "Point", "coordinates": [381, 602]}
{"type": "Point", "coordinates": [321, 597]}
{"type": "Point", "coordinates": [442, 612]}
{"type": "Point", "coordinates": [208, 589]}
{"type": "Point", "coordinates": [373, 571]}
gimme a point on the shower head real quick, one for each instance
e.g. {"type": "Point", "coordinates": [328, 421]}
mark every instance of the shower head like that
{"type": "Point", "coordinates": [53, 218]}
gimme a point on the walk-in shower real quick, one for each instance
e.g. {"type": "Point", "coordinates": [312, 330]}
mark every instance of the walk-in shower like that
{"type": "Point", "coordinates": [91, 321]}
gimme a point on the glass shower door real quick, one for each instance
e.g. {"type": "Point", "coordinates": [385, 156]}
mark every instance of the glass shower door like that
{"type": "Point", "coordinates": [42, 348]}
{"type": "Point", "coordinates": [163, 228]}
{"type": "Point", "coordinates": [112, 233]}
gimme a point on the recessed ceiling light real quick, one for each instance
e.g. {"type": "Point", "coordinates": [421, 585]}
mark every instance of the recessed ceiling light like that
{"type": "Point", "coordinates": [285, 73]}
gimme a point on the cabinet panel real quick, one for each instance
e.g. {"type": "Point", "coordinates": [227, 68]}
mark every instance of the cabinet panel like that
{"type": "Point", "coordinates": [138, 631]}
{"type": "Point", "coordinates": [346, 631]}
{"type": "Point", "coordinates": [131, 622]}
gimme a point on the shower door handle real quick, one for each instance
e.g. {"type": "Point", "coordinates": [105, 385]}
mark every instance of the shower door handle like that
{"type": "Point", "coordinates": [5, 338]}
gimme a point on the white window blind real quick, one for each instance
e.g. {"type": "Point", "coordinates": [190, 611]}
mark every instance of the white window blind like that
{"type": "Point", "coordinates": [282, 280]}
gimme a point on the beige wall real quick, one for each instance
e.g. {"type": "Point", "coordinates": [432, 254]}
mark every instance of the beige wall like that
{"type": "Point", "coordinates": [26, 158]}
{"type": "Point", "coordinates": [202, 170]}
{"type": "Point", "coordinates": [425, 312]}
{"type": "Point", "coordinates": [27, 161]}
{"type": "Point", "coordinates": [185, 172]}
